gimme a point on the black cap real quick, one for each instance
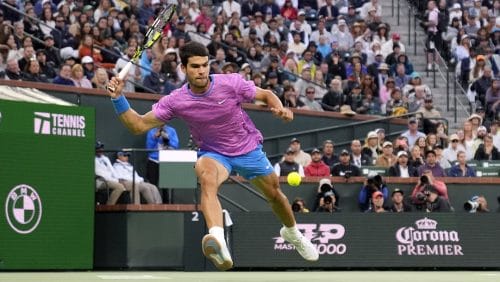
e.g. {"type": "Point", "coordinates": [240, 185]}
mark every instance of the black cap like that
{"type": "Point", "coordinates": [438, 146]}
{"type": "Point", "coordinates": [48, 36]}
{"type": "Point", "coordinates": [397, 190]}
{"type": "Point", "coordinates": [40, 51]}
{"type": "Point", "coordinates": [344, 152]}
{"type": "Point", "coordinates": [480, 108]}
{"type": "Point", "coordinates": [315, 150]}
{"type": "Point", "coordinates": [294, 140]}
{"type": "Point", "coordinates": [122, 153]}
{"type": "Point", "coordinates": [99, 145]}
{"type": "Point", "coordinates": [430, 152]}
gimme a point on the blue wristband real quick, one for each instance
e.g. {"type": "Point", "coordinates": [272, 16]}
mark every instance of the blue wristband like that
{"type": "Point", "coordinates": [121, 104]}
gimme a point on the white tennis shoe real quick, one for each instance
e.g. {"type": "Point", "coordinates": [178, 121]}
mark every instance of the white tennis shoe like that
{"type": "Point", "coordinates": [305, 248]}
{"type": "Point", "coordinates": [216, 252]}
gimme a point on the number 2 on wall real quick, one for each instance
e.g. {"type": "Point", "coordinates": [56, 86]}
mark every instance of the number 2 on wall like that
{"type": "Point", "coordinates": [196, 216]}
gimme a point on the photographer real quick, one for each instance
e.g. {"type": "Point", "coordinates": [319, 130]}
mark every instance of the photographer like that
{"type": "Point", "coordinates": [433, 202]}
{"type": "Point", "coordinates": [327, 204]}
{"type": "Point", "coordinates": [476, 204]}
{"type": "Point", "coordinates": [417, 196]}
{"type": "Point", "coordinates": [326, 189]}
{"type": "Point", "coordinates": [377, 200]}
{"type": "Point", "coordinates": [299, 205]}
{"type": "Point", "coordinates": [372, 184]}
{"type": "Point", "coordinates": [161, 138]}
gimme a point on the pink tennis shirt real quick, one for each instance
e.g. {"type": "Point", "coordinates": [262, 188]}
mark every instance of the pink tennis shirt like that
{"type": "Point", "coordinates": [215, 118]}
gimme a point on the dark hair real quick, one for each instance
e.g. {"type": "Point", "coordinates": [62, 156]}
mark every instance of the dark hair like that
{"type": "Point", "coordinates": [192, 49]}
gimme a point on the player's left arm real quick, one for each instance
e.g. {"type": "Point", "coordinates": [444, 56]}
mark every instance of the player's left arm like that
{"type": "Point", "coordinates": [273, 103]}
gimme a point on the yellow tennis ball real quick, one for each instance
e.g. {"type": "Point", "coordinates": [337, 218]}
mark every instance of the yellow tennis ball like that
{"type": "Point", "coordinates": [293, 179]}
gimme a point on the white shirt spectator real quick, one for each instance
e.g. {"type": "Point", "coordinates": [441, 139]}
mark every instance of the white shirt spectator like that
{"type": "Point", "coordinates": [126, 171]}
{"type": "Point", "coordinates": [230, 6]}
{"type": "Point", "coordinates": [104, 169]}
{"type": "Point", "coordinates": [450, 154]}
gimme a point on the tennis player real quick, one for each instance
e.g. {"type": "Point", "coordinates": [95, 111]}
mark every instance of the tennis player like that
{"type": "Point", "coordinates": [228, 141]}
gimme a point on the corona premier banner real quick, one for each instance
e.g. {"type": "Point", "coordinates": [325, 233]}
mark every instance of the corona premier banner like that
{"type": "Point", "coordinates": [371, 240]}
{"type": "Point", "coordinates": [46, 186]}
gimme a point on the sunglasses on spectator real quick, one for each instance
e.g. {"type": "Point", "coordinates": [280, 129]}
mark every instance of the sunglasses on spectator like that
{"type": "Point", "coordinates": [310, 92]}
{"type": "Point", "coordinates": [454, 141]}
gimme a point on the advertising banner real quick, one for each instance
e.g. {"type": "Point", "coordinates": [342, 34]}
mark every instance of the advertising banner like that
{"type": "Point", "coordinates": [46, 186]}
{"type": "Point", "coordinates": [371, 240]}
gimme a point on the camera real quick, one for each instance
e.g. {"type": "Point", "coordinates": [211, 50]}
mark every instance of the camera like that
{"type": "Point", "coordinates": [472, 205]}
{"type": "Point", "coordinates": [296, 207]}
{"type": "Point", "coordinates": [422, 196]}
{"type": "Point", "coordinates": [327, 200]}
{"type": "Point", "coordinates": [424, 180]}
{"type": "Point", "coordinates": [347, 174]}
{"type": "Point", "coordinates": [325, 188]}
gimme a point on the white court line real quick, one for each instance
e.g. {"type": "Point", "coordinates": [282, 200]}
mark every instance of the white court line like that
{"type": "Point", "coordinates": [489, 274]}
{"type": "Point", "coordinates": [131, 277]}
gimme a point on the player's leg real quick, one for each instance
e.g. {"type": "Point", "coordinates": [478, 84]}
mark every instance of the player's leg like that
{"type": "Point", "coordinates": [211, 174]}
{"type": "Point", "coordinates": [269, 185]}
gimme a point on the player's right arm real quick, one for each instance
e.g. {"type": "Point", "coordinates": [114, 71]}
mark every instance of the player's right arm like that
{"type": "Point", "coordinates": [136, 123]}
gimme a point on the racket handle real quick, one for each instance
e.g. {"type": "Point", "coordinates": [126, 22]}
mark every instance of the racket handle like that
{"type": "Point", "coordinates": [123, 73]}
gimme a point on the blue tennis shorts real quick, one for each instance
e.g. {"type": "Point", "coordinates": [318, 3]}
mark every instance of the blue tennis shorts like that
{"type": "Point", "coordinates": [249, 165]}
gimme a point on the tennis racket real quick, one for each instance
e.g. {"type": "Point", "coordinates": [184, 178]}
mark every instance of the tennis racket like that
{"type": "Point", "coordinates": [155, 32]}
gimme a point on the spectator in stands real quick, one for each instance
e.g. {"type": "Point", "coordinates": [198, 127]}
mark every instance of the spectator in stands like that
{"type": "Point", "coordinates": [88, 67]}
{"type": "Point", "coordinates": [344, 167]}
{"type": "Point", "coordinates": [487, 151]}
{"type": "Point", "coordinates": [86, 48]}
{"type": "Point", "coordinates": [110, 53]}
{"type": "Point", "coordinates": [329, 157]}
{"type": "Point", "coordinates": [12, 71]}
{"type": "Point", "coordinates": [380, 71]}
{"type": "Point", "coordinates": [416, 157]}
{"type": "Point", "coordinates": [373, 184]}
{"type": "Point", "coordinates": [468, 139]}
{"type": "Point", "coordinates": [32, 72]}
{"type": "Point", "coordinates": [154, 82]}
{"type": "Point", "coordinates": [371, 147]}
{"type": "Point", "coordinates": [160, 138]}
{"type": "Point", "coordinates": [107, 178]}
{"type": "Point", "coordinates": [100, 79]}
{"type": "Point", "coordinates": [398, 202]}
{"type": "Point", "coordinates": [78, 77]}
{"type": "Point", "coordinates": [495, 132]}
{"type": "Point", "coordinates": [309, 102]}
{"type": "Point", "coordinates": [385, 93]}
{"type": "Point", "coordinates": [412, 134]}
{"type": "Point", "coordinates": [357, 157]}
{"type": "Point", "coordinates": [61, 35]}
{"type": "Point", "coordinates": [388, 47]}
{"type": "Point", "coordinates": [300, 156]}
{"type": "Point", "coordinates": [316, 167]}
{"type": "Point", "coordinates": [493, 98]}
{"type": "Point", "coordinates": [377, 203]}
{"type": "Point", "coordinates": [64, 77]}
{"type": "Point", "coordinates": [481, 132]}
{"type": "Point", "coordinates": [46, 69]}
{"type": "Point", "coordinates": [28, 54]}
{"type": "Point", "coordinates": [431, 164]}
{"type": "Point", "coordinates": [450, 153]}
{"type": "Point", "coordinates": [461, 169]}
{"type": "Point", "coordinates": [51, 52]}
{"type": "Point", "coordinates": [400, 77]}
{"type": "Point", "coordinates": [481, 85]}
{"type": "Point", "coordinates": [402, 168]}
{"type": "Point", "coordinates": [387, 158]}
{"type": "Point", "coordinates": [125, 170]}
{"type": "Point", "coordinates": [398, 104]}
{"type": "Point", "coordinates": [430, 115]}
{"type": "Point", "coordinates": [290, 97]}
{"type": "Point", "coordinates": [299, 205]}
{"type": "Point", "coordinates": [438, 148]}
{"type": "Point", "coordinates": [354, 99]}
{"type": "Point", "coordinates": [288, 164]}
{"type": "Point", "coordinates": [249, 8]}
{"type": "Point", "coordinates": [334, 98]}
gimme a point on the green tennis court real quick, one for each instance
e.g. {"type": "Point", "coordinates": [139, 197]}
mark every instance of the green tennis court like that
{"type": "Point", "coordinates": [288, 276]}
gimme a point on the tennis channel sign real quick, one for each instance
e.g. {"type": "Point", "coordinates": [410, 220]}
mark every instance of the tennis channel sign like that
{"type": "Point", "coordinates": [46, 186]}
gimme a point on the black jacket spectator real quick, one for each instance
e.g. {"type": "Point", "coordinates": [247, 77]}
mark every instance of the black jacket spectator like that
{"type": "Point", "coordinates": [324, 11]}
{"type": "Point", "coordinates": [481, 154]}
{"type": "Point", "coordinates": [332, 101]}
{"type": "Point", "coordinates": [249, 8]}
{"type": "Point", "coordinates": [153, 83]}
{"type": "Point", "coordinates": [396, 171]}
{"type": "Point", "coordinates": [340, 170]}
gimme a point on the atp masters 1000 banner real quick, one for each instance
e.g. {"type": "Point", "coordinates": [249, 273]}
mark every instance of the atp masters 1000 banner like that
{"type": "Point", "coordinates": [46, 186]}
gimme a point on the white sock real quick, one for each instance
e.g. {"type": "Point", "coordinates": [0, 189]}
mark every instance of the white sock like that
{"type": "Point", "coordinates": [218, 232]}
{"type": "Point", "coordinates": [293, 230]}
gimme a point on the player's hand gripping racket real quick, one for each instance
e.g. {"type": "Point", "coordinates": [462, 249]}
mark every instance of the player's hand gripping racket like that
{"type": "Point", "coordinates": [155, 31]}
